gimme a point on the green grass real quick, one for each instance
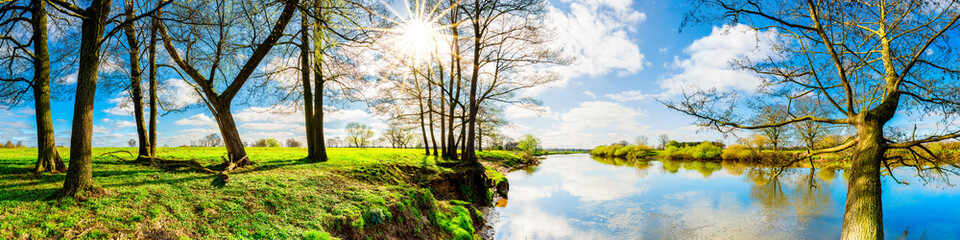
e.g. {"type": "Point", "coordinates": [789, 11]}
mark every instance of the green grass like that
{"type": "Point", "coordinates": [358, 193]}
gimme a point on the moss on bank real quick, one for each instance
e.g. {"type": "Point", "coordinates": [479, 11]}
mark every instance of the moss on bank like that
{"type": "Point", "coordinates": [359, 193]}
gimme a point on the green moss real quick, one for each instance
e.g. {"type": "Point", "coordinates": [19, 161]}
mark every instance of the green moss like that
{"type": "Point", "coordinates": [280, 197]}
{"type": "Point", "coordinates": [456, 220]}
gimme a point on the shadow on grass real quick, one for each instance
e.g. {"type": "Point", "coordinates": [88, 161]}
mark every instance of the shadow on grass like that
{"type": "Point", "coordinates": [221, 181]}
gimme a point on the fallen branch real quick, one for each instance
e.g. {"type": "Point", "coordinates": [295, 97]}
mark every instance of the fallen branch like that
{"type": "Point", "coordinates": [171, 164]}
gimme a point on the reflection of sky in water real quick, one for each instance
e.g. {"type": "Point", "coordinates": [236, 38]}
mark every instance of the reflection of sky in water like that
{"type": "Point", "coordinates": [575, 197]}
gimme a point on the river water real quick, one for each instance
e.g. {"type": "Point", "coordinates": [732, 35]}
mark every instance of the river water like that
{"type": "Point", "coordinates": [577, 196]}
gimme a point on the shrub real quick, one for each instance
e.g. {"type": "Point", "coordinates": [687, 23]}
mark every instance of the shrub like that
{"type": "Point", "coordinates": [674, 152]}
{"type": "Point", "coordinates": [640, 151]}
{"type": "Point", "coordinates": [622, 151]}
{"type": "Point", "coordinates": [739, 152]}
{"type": "Point", "coordinates": [705, 150]}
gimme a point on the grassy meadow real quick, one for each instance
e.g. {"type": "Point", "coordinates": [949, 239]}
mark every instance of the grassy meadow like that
{"type": "Point", "coordinates": [359, 193]}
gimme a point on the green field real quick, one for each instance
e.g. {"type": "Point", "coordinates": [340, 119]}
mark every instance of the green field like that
{"type": "Point", "coordinates": [369, 193]}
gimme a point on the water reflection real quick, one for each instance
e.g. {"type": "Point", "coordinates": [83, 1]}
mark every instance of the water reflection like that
{"type": "Point", "coordinates": [579, 197]}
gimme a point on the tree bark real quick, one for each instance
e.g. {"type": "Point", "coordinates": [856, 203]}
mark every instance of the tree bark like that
{"type": "Point", "coordinates": [307, 87]}
{"type": "Point", "coordinates": [454, 74]}
{"type": "Point", "coordinates": [468, 149]}
{"type": "Point", "coordinates": [135, 78]}
{"type": "Point", "coordinates": [433, 137]}
{"type": "Point", "coordinates": [231, 137]}
{"type": "Point", "coordinates": [863, 217]}
{"type": "Point", "coordinates": [321, 148]}
{"type": "Point", "coordinates": [80, 175]}
{"type": "Point", "coordinates": [423, 130]}
{"type": "Point", "coordinates": [48, 159]}
{"type": "Point", "coordinates": [152, 49]}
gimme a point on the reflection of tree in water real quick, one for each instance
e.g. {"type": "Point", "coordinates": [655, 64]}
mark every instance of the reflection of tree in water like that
{"type": "Point", "coordinates": [802, 190]}
{"type": "Point", "coordinates": [705, 168]}
{"type": "Point", "coordinates": [670, 166]}
{"type": "Point", "coordinates": [642, 166]}
{"type": "Point", "coordinates": [733, 168]}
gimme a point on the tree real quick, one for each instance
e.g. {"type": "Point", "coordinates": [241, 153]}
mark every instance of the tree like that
{"type": "Point", "coordinates": [398, 136]}
{"type": "Point", "coordinates": [358, 134]}
{"type": "Point", "coordinates": [506, 37]}
{"type": "Point", "coordinates": [132, 142]}
{"type": "Point", "coordinates": [866, 60]}
{"type": "Point", "coordinates": [209, 38]}
{"type": "Point", "coordinates": [663, 139]}
{"type": "Point", "coordinates": [9, 144]}
{"type": "Point", "coordinates": [19, 144]}
{"type": "Point", "coordinates": [294, 143]}
{"type": "Point", "coordinates": [21, 54]}
{"type": "Point", "coordinates": [136, 73]}
{"type": "Point", "coordinates": [529, 144]}
{"type": "Point", "coordinates": [809, 132]}
{"type": "Point", "coordinates": [772, 114]}
{"type": "Point", "coordinates": [268, 142]}
{"type": "Point", "coordinates": [641, 140]}
{"type": "Point", "coordinates": [80, 174]}
{"type": "Point", "coordinates": [212, 140]}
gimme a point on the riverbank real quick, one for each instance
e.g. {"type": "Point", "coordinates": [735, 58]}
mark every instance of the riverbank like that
{"type": "Point", "coordinates": [359, 193]}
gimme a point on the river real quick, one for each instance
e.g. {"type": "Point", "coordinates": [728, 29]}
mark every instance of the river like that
{"type": "Point", "coordinates": [576, 196]}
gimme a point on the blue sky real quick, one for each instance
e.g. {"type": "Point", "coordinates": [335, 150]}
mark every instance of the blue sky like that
{"type": "Point", "coordinates": [628, 54]}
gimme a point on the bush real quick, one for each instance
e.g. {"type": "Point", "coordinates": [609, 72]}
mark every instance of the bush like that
{"type": "Point", "coordinates": [270, 142]}
{"type": "Point", "coordinates": [739, 152]}
{"type": "Point", "coordinates": [622, 151]}
{"type": "Point", "coordinates": [706, 150]}
{"type": "Point", "coordinates": [640, 151]}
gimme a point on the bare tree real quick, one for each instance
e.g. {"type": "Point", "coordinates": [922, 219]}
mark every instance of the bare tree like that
{"type": "Point", "coordinates": [867, 61]}
{"type": "Point", "coordinates": [211, 35]}
{"type": "Point", "coordinates": [663, 139]}
{"type": "Point", "coordinates": [769, 115]}
{"type": "Point", "coordinates": [29, 52]}
{"type": "Point", "coordinates": [810, 132]}
{"type": "Point", "coordinates": [507, 37]}
{"type": "Point", "coordinates": [358, 134]}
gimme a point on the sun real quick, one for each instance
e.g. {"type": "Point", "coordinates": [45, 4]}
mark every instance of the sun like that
{"type": "Point", "coordinates": [416, 38]}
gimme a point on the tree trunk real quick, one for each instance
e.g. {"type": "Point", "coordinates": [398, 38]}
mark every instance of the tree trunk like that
{"type": "Point", "coordinates": [454, 75]}
{"type": "Point", "coordinates": [307, 88]}
{"type": "Point", "coordinates": [433, 137]}
{"type": "Point", "coordinates": [135, 78]}
{"type": "Point", "coordinates": [231, 137]}
{"type": "Point", "coordinates": [321, 148]}
{"type": "Point", "coordinates": [48, 159]}
{"type": "Point", "coordinates": [152, 49]}
{"type": "Point", "coordinates": [423, 130]}
{"type": "Point", "coordinates": [468, 147]}
{"type": "Point", "coordinates": [80, 175]}
{"type": "Point", "coordinates": [863, 216]}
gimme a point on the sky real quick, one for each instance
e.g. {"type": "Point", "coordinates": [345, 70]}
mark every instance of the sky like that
{"type": "Point", "coordinates": [627, 55]}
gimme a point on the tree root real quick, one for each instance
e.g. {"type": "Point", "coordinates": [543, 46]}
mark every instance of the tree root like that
{"type": "Point", "coordinates": [171, 164]}
{"type": "Point", "coordinates": [228, 166]}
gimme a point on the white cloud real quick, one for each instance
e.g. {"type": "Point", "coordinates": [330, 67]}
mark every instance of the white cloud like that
{"type": "Point", "coordinates": [532, 111]}
{"type": "Point", "coordinates": [627, 96]}
{"type": "Point", "coordinates": [265, 126]}
{"type": "Point", "coordinates": [594, 123]}
{"type": "Point", "coordinates": [100, 130]}
{"type": "Point", "coordinates": [177, 93]}
{"type": "Point", "coordinates": [590, 94]}
{"type": "Point", "coordinates": [118, 123]}
{"type": "Point", "coordinates": [197, 120]}
{"type": "Point", "coordinates": [68, 79]}
{"type": "Point", "coordinates": [709, 65]}
{"type": "Point", "coordinates": [346, 115]}
{"type": "Point", "coordinates": [596, 34]}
